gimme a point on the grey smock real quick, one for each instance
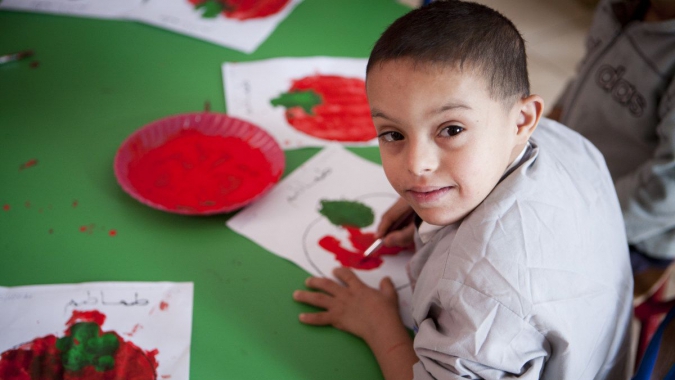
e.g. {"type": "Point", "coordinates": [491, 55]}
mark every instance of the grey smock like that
{"type": "Point", "coordinates": [623, 101]}
{"type": "Point", "coordinates": [536, 281]}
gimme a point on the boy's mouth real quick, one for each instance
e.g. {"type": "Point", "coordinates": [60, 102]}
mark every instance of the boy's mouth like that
{"type": "Point", "coordinates": [428, 194]}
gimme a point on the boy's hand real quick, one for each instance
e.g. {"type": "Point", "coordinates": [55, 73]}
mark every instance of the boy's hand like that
{"type": "Point", "coordinates": [368, 313]}
{"type": "Point", "coordinates": [351, 306]}
{"type": "Point", "coordinates": [400, 238]}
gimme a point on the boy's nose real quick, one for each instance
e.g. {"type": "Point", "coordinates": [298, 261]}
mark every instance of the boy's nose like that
{"type": "Point", "coordinates": [422, 159]}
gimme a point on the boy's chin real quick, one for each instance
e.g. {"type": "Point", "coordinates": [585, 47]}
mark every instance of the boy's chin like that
{"type": "Point", "coordinates": [440, 217]}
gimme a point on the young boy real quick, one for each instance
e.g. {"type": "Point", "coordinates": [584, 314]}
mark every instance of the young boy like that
{"type": "Point", "coordinates": [521, 268]}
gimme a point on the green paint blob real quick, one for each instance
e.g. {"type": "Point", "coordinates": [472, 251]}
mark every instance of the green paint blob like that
{"type": "Point", "coordinates": [306, 99]}
{"type": "Point", "coordinates": [347, 213]}
{"type": "Point", "coordinates": [84, 346]}
{"type": "Point", "coordinates": [210, 8]}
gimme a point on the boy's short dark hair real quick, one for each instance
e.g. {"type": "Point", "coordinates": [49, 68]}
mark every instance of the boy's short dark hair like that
{"type": "Point", "coordinates": [464, 34]}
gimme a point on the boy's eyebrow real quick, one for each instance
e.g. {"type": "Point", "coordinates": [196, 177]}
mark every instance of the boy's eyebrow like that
{"type": "Point", "coordinates": [449, 106]}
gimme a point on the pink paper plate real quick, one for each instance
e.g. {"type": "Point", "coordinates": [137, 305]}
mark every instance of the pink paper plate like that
{"type": "Point", "coordinates": [198, 164]}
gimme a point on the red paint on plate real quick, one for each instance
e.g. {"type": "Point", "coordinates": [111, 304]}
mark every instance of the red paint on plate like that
{"type": "Point", "coordinates": [201, 164]}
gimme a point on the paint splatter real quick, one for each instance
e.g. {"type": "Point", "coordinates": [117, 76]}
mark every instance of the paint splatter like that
{"type": "Point", "coordinates": [35, 64]}
{"type": "Point", "coordinates": [51, 231]}
{"type": "Point", "coordinates": [163, 306]}
{"type": "Point", "coordinates": [75, 203]}
{"type": "Point", "coordinates": [27, 204]}
{"type": "Point", "coordinates": [329, 107]}
{"type": "Point", "coordinates": [239, 9]}
{"type": "Point", "coordinates": [6, 207]}
{"type": "Point", "coordinates": [84, 352]}
{"type": "Point", "coordinates": [28, 164]}
{"type": "Point", "coordinates": [194, 172]}
{"type": "Point", "coordinates": [112, 233]}
{"type": "Point", "coordinates": [88, 229]}
{"type": "Point", "coordinates": [134, 330]}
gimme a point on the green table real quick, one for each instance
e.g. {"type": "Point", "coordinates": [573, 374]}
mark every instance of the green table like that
{"type": "Point", "coordinates": [89, 85]}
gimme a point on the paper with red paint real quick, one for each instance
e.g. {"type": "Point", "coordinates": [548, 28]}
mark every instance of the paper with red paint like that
{"type": "Point", "coordinates": [86, 8]}
{"type": "Point", "coordinates": [211, 21]}
{"type": "Point", "coordinates": [335, 201]}
{"type": "Point", "coordinates": [302, 102]}
{"type": "Point", "coordinates": [142, 328]}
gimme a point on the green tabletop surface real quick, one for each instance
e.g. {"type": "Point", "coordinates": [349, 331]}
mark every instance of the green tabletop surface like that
{"type": "Point", "coordinates": [63, 114]}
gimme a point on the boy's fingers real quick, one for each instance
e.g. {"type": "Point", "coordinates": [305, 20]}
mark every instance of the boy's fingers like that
{"type": "Point", "coordinates": [401, 238]}
{"type": "Point", "coordinates": [324, 284]}
{"type": "Point", "coordinates": [321, 300]}
{"type": "Point", "coordinates": [318, 319]}
{"type": "Point", "coordinates": [347, 276]}
{"type": "Point", "coordinates": [391, 215]}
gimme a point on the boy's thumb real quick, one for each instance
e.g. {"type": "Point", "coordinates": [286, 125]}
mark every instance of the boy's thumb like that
{"type": "Point", "coordinates": [387, 288]}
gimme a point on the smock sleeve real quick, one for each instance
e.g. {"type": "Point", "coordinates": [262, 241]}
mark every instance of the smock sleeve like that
{"type": "Point", "coordinates": [647, 195]}
{"type": "Point", "coordinates": [472, 336]}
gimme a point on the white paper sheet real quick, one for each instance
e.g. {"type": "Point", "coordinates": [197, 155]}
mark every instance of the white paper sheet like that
{"type": "Point", "coordinates": [182, 17]}
{"type": "Point", "coordinates": [86, 8]}
{"type": "Point", "coordinates": [287, 221]}
{"type": "Point", "coordinates": [250, 88]}
{"type": "Point", "coordinates": [151, 316]}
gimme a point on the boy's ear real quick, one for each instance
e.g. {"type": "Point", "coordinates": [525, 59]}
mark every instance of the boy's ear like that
{"type": "Point", "coordinates": [530, 110]}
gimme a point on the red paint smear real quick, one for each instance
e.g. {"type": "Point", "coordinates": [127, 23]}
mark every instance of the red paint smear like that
{"type": "Point", "coordinates": [6, 207]}
{"type": "Point", "coordinates": [86, 316]}
{"type": "Point", "coordinates": [88, 229]}
{"type": "Point", "coordinates": [201, 173]}
{"type": "Point", "coordinates": [112, 233]}
{"type": "Point", "coordinates": [134, 330]}
{"type": "Point", "coordinates": [51, 231]}
{"type": "Point", "coordinates": [28, 164]}
{"type": "Point", "coordinates": [35, 64]}
{"type": "Point", "coordinates": [75, 203]}
{"type": "Point", "coordinates": [40, 359]}
{"type": "Point", "coordinates": [166, 376]}
{"type": "Point", "coordinates": [360, 241]}
{"type": "Point", "coordinates": [163, 306]}
{"type": "Point", "coordinates": [344, 114]}
{"type": "Point", "coordinates": [248, 9]}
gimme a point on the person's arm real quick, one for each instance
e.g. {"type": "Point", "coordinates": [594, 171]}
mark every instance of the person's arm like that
{"type": "Point", "coordinates": [647, 195]}
{"type": "Point", "coordinates": [371, 314]}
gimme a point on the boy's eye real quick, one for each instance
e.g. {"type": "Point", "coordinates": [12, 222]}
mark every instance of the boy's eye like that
{"type": "Point", "coordinates": [391, 136]}
{"type": "Point", "coordinates": [452, 130]}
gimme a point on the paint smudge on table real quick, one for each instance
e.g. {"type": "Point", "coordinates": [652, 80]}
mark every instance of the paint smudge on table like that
{"type": "Point", "coordinates": [112, 233]}
{"type": "Point", "coordinates": [163, 306]}
{"type": "Point", "coordinates": [85, 351]}
{"type": "Point", "coordinates": [75, 203]}
{"type": "Point", "coordinates": [28, 164]}
{"type": "Point", "coordinates": [6, 207]}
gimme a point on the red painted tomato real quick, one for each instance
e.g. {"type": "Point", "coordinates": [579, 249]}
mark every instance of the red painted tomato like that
{"type": "Point", "coordinates": [329, 107]}
{"type": "Point", "coordinates": [239, 9]}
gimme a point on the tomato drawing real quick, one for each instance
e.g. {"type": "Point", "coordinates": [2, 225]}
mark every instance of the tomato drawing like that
{"type": "Point", "coordinates": [239, 9]}
{"type": "Point", "coordinates": [329, 107]}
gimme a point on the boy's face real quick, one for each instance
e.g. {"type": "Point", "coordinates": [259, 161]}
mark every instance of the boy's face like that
{"type": "Point", "coordinates": [444, 142]}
